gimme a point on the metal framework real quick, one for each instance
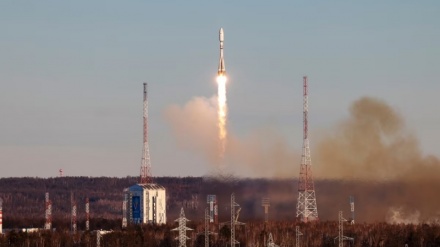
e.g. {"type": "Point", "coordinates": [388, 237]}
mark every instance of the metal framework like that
{"type": "Point", "coordinates": [73, 216]}
{"type": "Point", "coordinates": [48, 212]}
{"type": "Point", "coordinates": [234, 220]}
{"type": "Point", "coordinates": [207, 219]}
{"type": "Point", "coordinates": [207, 232]}
{"type": "Point", "coordinates": [265, 203]}
{"type": "Point", "coordinates": [270, 243]}
{"type": "Point", "coordinates": [99, 234]}
{"type": "Point", "coordinates": [341, 236]}
{"type": "Point", "coordinates": [145, 177]}
{"type": "Point", "coordinates": [298, 235]}
{"type": "Point", "coordinates": [182, 228]}
{"type": "Point", "coordinates": [306, 209]}
{"type": "Point", "coordinates": [87, 214]}
{"type": "Point", "coordinates": [124, 209]}
{"type": "Point", "coordinates": [352, 209]}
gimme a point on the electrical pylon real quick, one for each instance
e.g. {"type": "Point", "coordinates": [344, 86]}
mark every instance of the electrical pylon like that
{"type": "Point", "coordinates": [306, 209]}
{"type": "Point", "coordinates": [146, 163]}
{"type": "Point", "coordinates": [182, 228]}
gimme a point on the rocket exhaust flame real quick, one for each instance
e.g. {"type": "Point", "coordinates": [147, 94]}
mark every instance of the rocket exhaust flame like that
{"type": "Point", "coordinates": [222, 112]}
{"type": "Point", "coordinates": [221, 96]}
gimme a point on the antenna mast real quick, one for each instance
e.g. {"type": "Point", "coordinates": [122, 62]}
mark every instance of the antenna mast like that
{"type": "Point", "coordinates": [146, 164]}
{"type": "Point", "coordinates": [306, 209]}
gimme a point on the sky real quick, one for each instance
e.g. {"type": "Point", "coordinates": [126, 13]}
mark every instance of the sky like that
{"type": "Point", "coordinates": [71, 75]}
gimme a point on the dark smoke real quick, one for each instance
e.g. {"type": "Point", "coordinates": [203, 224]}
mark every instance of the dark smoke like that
{"type": "Point", "coordinates": [374, 146]}
{"type": "Point", "coordinates": [370, 155]}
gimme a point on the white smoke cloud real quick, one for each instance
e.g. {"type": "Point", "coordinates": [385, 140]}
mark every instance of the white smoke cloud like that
{"type": "Point", "coordinates": [398, 215]}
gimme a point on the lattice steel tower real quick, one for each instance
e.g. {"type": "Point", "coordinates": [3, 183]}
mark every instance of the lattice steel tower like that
{"type": "Point", "coordinates": [306, 209]}
{"type": "Point", "coordinates": [87, 214]}
{"type": "Point", "coordinates": [146, 164]}
{"type": "Point", "coordinates": [48, 212]}
{"type": "Point", "coordinates": [182, 228]}
{"type": "Point", "coordinates": [73, 216]}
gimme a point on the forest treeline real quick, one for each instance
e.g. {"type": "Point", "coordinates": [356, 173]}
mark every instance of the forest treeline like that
{"type": "Point", "coordinates": [253, 234]}
{"type": "Point", "coordinates": [24, 206]}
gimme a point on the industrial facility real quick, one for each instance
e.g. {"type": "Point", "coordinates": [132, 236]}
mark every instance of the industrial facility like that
{"type": "Point", "coordinates": [145, 202]}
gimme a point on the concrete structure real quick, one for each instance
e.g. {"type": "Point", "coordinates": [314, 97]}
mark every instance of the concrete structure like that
{"type": "Point", "coordinates": [145, 204]}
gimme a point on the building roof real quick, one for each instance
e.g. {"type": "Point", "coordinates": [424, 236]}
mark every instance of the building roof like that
{"type": "Point", "coordinates": [146, 186]}
{"type": "Point", "coordinates": [152, 186]}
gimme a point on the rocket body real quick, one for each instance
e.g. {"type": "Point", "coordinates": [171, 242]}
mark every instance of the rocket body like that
{"type": "Point", "coordinates": [221, 65]}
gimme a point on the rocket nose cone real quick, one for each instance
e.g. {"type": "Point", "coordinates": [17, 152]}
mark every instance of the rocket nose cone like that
{"type": "Point", "coordinates": [221, 35]}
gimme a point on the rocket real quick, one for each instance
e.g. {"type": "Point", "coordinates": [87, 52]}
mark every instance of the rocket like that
{"type": "Point", "coordinates": [221, 64]}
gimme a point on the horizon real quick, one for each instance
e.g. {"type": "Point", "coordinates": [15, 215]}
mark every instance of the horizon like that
{"type": "Point", "coordinates": [72, 75]}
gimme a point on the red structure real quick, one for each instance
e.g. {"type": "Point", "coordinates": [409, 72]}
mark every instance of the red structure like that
{"type": "Point", "coordinates": [306, 209]}
{"type": "Point", "coordinates": [145, 177]}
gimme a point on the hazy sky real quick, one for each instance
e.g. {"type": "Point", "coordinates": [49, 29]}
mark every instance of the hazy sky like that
{"type": "Point", "coordinates": [71, 75]}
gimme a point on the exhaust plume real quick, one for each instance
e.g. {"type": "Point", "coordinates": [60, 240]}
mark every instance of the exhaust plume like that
{"type": "Point", "coordinates": [262, 153]}
{"type": "Point", "coordinates": [222, 115]}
